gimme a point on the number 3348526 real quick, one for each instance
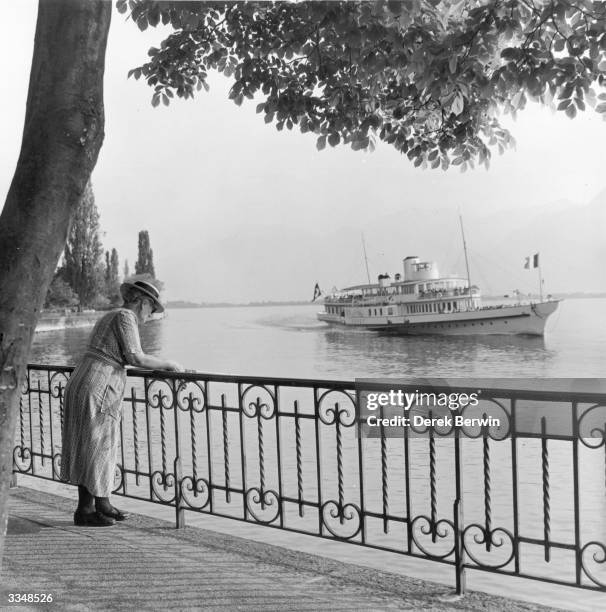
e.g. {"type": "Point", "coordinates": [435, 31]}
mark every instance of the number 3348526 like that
{"type": "Point", "coordinates": [30, 598]}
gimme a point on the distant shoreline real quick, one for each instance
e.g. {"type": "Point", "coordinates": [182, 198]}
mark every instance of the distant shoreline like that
{"type": "Point", "coordinates": [53, 321]}
{"type": "Point", "coordinates": [180, 304]}
{"type": "Point", "coordinates": [176, 304]}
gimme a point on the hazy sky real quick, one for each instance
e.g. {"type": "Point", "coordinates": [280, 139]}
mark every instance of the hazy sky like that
{"type": "Point", "coordinates": [238, 211]}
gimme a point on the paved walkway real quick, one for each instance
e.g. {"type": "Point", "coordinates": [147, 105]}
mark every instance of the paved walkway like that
{"type": "Point", "coordinates": [146, 564]}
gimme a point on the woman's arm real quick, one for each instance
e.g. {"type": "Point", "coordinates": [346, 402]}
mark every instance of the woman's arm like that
{"type": "Point", "coordinates": [130, 343]}
{"type": "Point", "coordinates": [141, 360]}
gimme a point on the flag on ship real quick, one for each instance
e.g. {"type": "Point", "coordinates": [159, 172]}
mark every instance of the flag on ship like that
{"type": "Point", "coordinates": [535, 262]}
{"type": "Point", "coordinates": [317, 292]}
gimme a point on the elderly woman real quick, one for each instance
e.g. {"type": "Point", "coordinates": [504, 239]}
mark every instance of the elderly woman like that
{"type": "Point", "coordinates": [93, 400]}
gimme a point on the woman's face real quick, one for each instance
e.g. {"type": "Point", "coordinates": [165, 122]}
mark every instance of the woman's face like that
{"type": "Point", "coordinates": [146, 308]}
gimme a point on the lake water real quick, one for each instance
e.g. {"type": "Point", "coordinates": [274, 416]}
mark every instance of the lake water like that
{"type": "Point", "coordinates": [290, 342]}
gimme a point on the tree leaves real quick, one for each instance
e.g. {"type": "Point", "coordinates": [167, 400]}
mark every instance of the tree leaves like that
{"type": "Point", "coordinates": [333, 139]}
{"type": "Point", "coordinates": [458, 103]}
{"type": "Point", "coordinates": [136, 72]}
{"type": "Point", "coordinates": [426, 77]}
{"type": "Point", "coordinates": [571, 111]}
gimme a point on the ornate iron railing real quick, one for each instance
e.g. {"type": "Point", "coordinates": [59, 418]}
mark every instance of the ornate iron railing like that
{"type": "Point", "coordinates": [287, 454]}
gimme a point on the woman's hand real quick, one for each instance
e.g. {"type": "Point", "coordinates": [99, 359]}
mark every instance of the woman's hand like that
{"type": "Point", "coordinates": [173, 366]}
{"type": "Point", "coordinates": [141, 360]}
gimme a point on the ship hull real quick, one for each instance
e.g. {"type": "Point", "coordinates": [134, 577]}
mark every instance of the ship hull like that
{"type": "Point", "coordinates": [521, 319]}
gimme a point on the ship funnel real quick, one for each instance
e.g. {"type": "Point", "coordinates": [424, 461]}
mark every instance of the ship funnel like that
{"type": "Point", "coordinates": [416, 270]}
{"type": "Point", "coordinates": [409, 267]}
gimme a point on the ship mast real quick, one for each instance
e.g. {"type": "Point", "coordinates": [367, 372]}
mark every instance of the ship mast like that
{"type": "Point", "coordinates": [365, 259]}
{"type": "Point", "coordinates": [466, 258]}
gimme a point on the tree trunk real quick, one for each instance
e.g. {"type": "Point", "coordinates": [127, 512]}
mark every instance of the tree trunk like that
{"type": "Point", "coordinates": [62, 137]}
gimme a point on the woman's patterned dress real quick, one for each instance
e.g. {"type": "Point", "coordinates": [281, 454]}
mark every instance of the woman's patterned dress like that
{"type": "Point", "coordinates": [93, 403]}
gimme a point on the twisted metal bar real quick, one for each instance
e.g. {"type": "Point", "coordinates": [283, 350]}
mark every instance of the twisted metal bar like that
{"type": "Point", "coordinates": [40, 423]}
{"type": "Point", "coordinates": [384, 493]}
{"type": "Point", "coordinates": [135, 434]}
{"type": "Point", "coordinates": [163, 442]}
{"type": "Point", "coordinates": [21, 423]}
{"type": "Point", "coordinates": [61, 410]}
{"type": "Point", "coordinates": [339, 462]}
{"type": "Point", "coordinates": [432, 481]}
{"type": "Point", "coordinates": [194, 443]}
{"type": "Point", "coordinates": [487, 485]}
{"type": "Point", "coordinates": [299, 462]}
{"type": "Point", "coordinates": [261, 454]}
{"type": "Point", "coordinates": [546, 492]}
{"type": "Point", "coordinates": [225, 449]}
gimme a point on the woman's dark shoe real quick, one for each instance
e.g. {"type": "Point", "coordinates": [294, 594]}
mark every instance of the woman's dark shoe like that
{"type": "Point", "coordinates": [92, 519]}
{"type": "Point", "coordinates": [114, 513]}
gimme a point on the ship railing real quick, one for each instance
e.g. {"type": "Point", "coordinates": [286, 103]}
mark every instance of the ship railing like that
{"type": "Point", "coordinates": [445, 293]}
{"type": "Point", "coordinates": [524, 499]}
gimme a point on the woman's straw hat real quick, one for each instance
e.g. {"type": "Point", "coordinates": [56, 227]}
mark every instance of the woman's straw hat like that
{"type": "Point", "coordinates": [147, 289]}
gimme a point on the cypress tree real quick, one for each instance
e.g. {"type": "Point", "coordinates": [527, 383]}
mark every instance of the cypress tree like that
{"type": "Point", "coordinates": [112, 276]}
{"type": "Point", "coordinates": [82, 268]}
{"type": "Point", "coordinates": [145, 259]}
{"type": "Point", "coordinates": [107, 272]}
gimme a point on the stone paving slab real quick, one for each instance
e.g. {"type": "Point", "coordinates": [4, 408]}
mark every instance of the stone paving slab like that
{"type": "Point", "coordinates": [146, 564]}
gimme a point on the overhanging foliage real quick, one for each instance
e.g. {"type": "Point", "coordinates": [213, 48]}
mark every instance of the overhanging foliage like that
{"type": "Point", "coordinates": [428, 77]}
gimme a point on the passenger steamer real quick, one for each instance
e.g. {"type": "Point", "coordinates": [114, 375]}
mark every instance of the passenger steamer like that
{"type": "Point", "coordinates": [422, 302]}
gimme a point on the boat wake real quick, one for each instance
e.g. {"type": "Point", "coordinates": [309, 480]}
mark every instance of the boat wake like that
{"type": "Point", "coordinates": [293, 323]}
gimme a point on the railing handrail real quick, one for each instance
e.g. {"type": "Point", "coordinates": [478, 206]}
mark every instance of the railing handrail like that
{"type": "Point", "coordinates": [342, 385]}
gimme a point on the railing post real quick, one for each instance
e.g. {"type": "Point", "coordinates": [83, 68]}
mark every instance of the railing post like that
{"type": "Point", "coordinates": [178, 468]}
{"type": "Point", "coordinates": [459, 524]}
{"type": "Point", "coordinates": [459, 552]}
{"type": "Point", "coordinates": [14, 483]}
{"type": "Point", "coordinates": [179, 510]}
